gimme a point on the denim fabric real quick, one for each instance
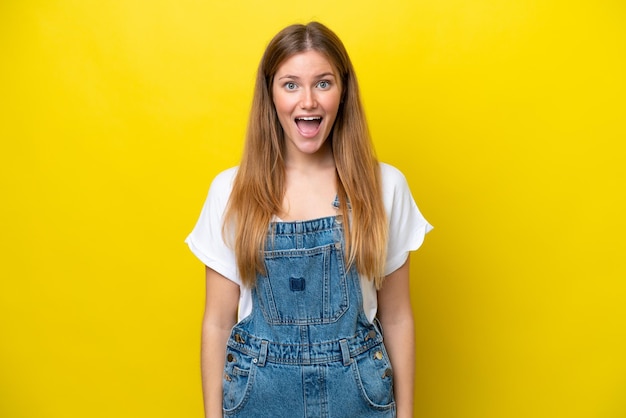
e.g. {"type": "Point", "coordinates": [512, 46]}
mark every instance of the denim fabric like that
{"type": "Point", "coordinates": [307, 349]}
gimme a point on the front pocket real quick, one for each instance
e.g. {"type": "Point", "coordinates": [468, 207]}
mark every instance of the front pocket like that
{"type": "Point", "coordinates": [303, 287]}
{"type": "Point", "coordinates": [237, 380]}
{"type": "Point", "coordinates": [374, 377]}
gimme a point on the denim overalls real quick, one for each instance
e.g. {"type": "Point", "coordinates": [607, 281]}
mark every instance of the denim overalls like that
{"type": "Point", "coordinates": [307, 349]}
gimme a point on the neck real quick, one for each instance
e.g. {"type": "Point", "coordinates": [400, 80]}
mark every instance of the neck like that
{"type": "Point", "coordinates": [322, 159]}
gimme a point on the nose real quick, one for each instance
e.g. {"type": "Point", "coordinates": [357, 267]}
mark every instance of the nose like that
{"type": "Point", "coordinates": [308, 100]}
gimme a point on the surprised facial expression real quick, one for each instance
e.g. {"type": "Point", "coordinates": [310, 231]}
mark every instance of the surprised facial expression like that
{"type": "Point", "coordinates": [307, 94]}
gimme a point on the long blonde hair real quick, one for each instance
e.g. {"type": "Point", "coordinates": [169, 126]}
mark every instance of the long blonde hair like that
{"type": "Point", "coordinates": [259, 185]}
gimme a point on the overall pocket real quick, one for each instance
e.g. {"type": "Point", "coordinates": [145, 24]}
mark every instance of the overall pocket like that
{"type": "Point", "coordinates": [237, 380]}
{"type": "Point", "coordinates": [374, 377]}
{"type": "Point", "coordinates": [303, 287]}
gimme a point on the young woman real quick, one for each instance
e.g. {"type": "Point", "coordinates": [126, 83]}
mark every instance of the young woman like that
{"type": "Point", "coordinates": [306, 249]}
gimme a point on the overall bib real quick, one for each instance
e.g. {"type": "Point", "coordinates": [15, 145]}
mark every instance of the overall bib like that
{"type": "Point", "coordinates": [307, 349]}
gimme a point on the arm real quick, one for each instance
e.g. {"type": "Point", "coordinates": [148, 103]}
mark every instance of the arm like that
{"type": "Point", "coordinates": [220, 315]}
{"type": "Point", "coordinates": [396, 318]}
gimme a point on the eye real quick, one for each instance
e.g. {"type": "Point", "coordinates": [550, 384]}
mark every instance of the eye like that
{"type": "Point", "coordinates": [324, 84]}
{"type": "Point", "coordinates": [290, 85]}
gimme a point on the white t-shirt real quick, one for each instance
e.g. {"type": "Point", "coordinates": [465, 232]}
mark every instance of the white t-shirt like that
{"type": "Point", "coordinates": [407, 228]}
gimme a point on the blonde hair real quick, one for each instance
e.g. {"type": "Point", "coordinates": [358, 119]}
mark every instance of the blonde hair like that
{"type": "Point", "coordinates": [259, 185]}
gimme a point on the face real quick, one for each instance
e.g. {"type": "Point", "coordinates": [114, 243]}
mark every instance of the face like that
{"type": "Point", "coordinates": [307, 93]}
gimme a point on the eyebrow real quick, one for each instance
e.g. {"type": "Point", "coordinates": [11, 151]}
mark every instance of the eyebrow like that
{"type": "Point", "coordinates": [295, 77]}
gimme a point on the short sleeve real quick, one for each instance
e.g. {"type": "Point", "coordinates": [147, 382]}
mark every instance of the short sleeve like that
{"type": "Point", "coordinates": [205, 240]}
{"type": "Point", "coordinates": [407, 226]}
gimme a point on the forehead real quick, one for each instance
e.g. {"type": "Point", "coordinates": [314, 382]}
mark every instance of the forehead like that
{"type": "Point", "coordinates": [307, 63]}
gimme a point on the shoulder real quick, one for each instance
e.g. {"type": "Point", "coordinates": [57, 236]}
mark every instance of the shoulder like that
{"type": "Point", "coordinates": [392, 178]}
{"type": "Point", "coordinates": [219, 190]}
{"type": "Point", "coordinates": [224, 180]}
{"type": "Point", "coordinates": [396, 193]}
{"type": "Point", "coordinates": [222, 184]}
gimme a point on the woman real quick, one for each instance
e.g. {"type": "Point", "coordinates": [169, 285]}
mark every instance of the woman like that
{"type": "Point", "coordinates": [306, 250]}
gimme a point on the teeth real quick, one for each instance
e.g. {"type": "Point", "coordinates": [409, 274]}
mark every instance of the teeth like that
{"type": "Point", "coordinates": [309, 118]}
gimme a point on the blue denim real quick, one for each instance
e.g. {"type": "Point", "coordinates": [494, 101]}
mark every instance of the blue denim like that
{"type": "Point", "coordinates": [307, 349]}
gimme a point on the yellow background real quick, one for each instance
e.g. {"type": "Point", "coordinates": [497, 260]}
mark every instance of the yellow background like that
{"type": "Point", "coordinates": [507, 117]}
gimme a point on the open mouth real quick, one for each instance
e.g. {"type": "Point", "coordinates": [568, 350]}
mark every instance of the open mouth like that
{"type": "Point", "coordinates": [308, 125]}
